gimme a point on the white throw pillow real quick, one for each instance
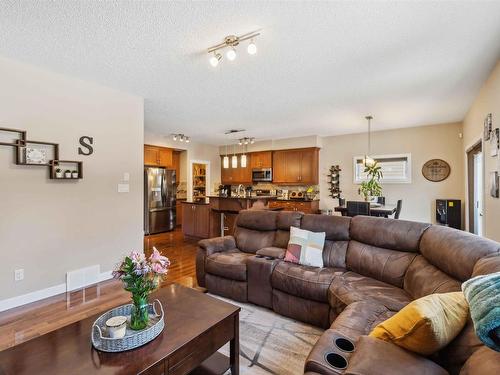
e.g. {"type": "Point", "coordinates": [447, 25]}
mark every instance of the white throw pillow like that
{"type": "Point", "coordinates": [305, 247]}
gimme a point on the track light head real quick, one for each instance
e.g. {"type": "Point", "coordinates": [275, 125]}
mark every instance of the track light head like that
{"type": "Point", "coordinates": [252, 48]}
{"type": "Point", "coordinates": [214, 60]}
{"type": "Point", "coordinates": [231, 54]}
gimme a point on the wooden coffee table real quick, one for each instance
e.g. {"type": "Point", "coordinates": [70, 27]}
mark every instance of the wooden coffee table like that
{"type": "Point", "coordinates": [196, 326]}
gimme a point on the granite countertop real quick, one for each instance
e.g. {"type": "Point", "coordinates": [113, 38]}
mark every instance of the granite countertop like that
{"type": "Point", "coordinates": [274, 197]}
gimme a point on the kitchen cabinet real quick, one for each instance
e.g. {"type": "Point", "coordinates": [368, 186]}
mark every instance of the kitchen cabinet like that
{"type": "Point", "coordinates": [158, 156]}
{"type": "Point", "coordinates": [178, 212]}
{"type": "Point", "coordinates": [299, 166]}
{"type": "Point", "coordinates": [196, 220]}
{"type": "Point", "coordinates": [307, 207]}
{"type": "Point", "coordinates": [261, 159]}
{"type": "Point", "coordinates": [239, 175]}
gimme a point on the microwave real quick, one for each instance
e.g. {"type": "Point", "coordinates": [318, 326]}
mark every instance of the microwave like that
{"type": "Point", "coordinates": [262, 175]}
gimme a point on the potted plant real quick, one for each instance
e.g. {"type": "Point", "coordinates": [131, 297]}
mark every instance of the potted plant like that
{"type": "Point", "coordinates": [141, 276]}
{"type": "Point", "coordinates": [59, 173]}
{"type": "Point", "coordinates": [371, 187]}
{"type": "Point", "coordinates": [67, 173]}
{"type": "Point", "coordinates": [74, 174]}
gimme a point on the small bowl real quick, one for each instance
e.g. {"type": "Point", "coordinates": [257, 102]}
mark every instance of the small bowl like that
{"type": "Point", "coordinates": [116, 327]}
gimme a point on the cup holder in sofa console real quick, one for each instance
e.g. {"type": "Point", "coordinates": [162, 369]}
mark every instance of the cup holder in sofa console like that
{"type": "Point", "coordinates": [336, 361]}
{"type": "Point", "coordinates": [259, 256]}
{"type": "Point", "coordinates": [344, 344]}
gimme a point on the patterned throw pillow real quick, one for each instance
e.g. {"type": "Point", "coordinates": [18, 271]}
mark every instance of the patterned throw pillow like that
{"type": "Point", "coordinates": [305, 247]}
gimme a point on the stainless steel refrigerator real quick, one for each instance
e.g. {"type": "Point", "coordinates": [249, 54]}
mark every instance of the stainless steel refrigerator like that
{"type": "Point", "coordinates": [159, 200]}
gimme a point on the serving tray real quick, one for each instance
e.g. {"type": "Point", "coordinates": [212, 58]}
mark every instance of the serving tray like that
{"type": "Point", "coordinates": [132, 339]}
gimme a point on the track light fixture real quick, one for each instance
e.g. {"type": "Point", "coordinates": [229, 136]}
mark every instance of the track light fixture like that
{"type": "Point", "coordinates": [230, 42]}
{"type": "Point", "coordinates": [246, 141]}
{"type": "Point", "coordinates": [181, 138]}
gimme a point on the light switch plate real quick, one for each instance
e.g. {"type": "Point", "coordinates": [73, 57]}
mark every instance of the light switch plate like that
{"type": "Point", "coordinates": [123, 188]}
{"type": "Point", "coordinates": [126, 177]}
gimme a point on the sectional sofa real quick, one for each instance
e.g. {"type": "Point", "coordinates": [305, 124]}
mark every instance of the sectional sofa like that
{"type": "Point", "coordinates": [373, 267]}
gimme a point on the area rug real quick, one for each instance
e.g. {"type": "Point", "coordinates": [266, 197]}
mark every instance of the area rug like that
{"type": "Point", "coordinates": [271, 343]}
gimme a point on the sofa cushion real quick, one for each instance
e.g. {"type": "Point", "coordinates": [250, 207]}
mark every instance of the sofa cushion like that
{"type": "Point", "coordinates": [305, 247]}
{"type": "Point", "coordinates": [335, 227]}
{"type": "Point", "coordinates": [427, 324]}
{"type": "Point", "coordinates": [351, 287]}
{"type": "Point", "coordinates": [455, 252]}
{"type": "Point", "coordinates": [381, 264]}
{"type": "Point", "coordinates": [261, 220]}
{"type": "Point", "coordinates": [483, 361]}
{"type": "Point", "coordinates": [229, 264]}
{"type": "Point", "coordinates": [251, 240]}
{"type": "Point", "coordinates": [391, 234]}
{"type": "Point", "coordinates": [359, 318]}
{"type": "Point", "coordinates": [304, 281]}
{"type": "Point", "coordinates": [285, 220]}
{"type": "Point", "coordinates": [422, 279]}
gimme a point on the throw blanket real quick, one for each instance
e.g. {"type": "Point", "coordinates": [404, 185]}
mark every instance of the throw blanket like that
{"type": "Point", "coordinates": [483, 295]}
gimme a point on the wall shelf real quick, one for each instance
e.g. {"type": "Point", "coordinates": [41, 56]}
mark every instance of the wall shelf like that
{"type": "Point", "coordinates": [55, 164]}
{"type": "Point", "coordinates": [38, 148]}
{"type": "Point", "coordinates": [18, 136]}
{"type": "Point", "coordinates": [38, 153]}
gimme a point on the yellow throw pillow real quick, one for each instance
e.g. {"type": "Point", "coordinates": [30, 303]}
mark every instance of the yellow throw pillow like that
{"type": "Point", "coordinates": [427, 324]}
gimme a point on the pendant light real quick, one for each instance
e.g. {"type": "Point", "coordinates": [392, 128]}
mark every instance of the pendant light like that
{"type": "Point", "coordinates": [234, 159]}
{"type": "Point", "coordinates": [225, 161]}
{"type": "Point", "coordinates": [243, 159]}
{"type": "Point", "coordinates": [368, 160]}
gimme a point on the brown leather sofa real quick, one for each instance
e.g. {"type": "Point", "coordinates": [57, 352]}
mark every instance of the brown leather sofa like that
{"type": "Point", "coordinates": [373, 267]}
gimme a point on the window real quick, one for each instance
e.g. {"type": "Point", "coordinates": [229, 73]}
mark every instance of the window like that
{"type": "Point", "coordinates": [396, 169]}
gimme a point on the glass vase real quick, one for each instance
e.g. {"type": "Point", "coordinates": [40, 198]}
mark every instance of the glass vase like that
{"type": "Point", "coordinates": [140, 314]}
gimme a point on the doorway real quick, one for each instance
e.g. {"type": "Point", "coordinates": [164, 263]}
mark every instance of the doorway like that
{"type": "Point", "coordinates": [475, 169]}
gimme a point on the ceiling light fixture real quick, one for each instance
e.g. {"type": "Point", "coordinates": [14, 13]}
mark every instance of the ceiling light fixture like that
{"type": "Point", "coordinates": [246, 141]}
{"type": "Point", "coordinates": [225, 160]}
{"type": "Point", "coordinates": [234, 159]}
{"type": "Point", "coordinates": [368, 161]}
{"type": "Point", "coordinates": [252, 48]}
{"type": "Point", "coordinates": [230, 42]}
{"type": "Point", "coordinates": [180, 138]}
{"type": "Point", "coordinates": [231, 54]}
{"type": "Point", "coordinates": [214, 60]}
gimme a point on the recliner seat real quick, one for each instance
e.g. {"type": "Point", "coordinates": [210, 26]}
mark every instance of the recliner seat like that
{"type": "Point", "coordinates": [373, 267]}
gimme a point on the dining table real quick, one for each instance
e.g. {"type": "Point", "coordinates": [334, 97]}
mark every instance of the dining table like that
{"type": "Point", "coordinates": [376, 209]}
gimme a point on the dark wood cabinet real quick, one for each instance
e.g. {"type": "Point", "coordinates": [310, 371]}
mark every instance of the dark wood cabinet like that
{"type": "Point", "coordinates": [158, 156]}
{"type": "Point", "coordinates": [299, 166]}
{"type": "Point", "coordinates": [196, 220]}
{"type": "Point", "coordinates": [307, 207]}
{"type": "Point", "coordinates": [262, 159]}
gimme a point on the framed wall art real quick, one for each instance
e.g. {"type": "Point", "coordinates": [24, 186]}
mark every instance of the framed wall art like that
{"type": "Point", "coordinates": [495, 142]}
{"type": "Point", "coordinates": [494, 188]}
{"type": "Point", "coordinates": [488, 125]}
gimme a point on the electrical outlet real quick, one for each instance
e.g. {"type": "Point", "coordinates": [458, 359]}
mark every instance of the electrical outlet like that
{"type": "Point", "coordinates": [19, 274]}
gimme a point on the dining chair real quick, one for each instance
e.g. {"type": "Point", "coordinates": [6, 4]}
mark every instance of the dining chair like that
{"type": "Point", "coordinates": [381, 200]}
{"type": "Point", "coordinates": [399, 205]}
{"type": "Point", "coordinates": [355, 208]}
{"type": "Point", "coordinates": [341, 201]}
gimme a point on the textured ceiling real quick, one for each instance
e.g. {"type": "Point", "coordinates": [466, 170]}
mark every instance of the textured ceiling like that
{"type": "Point", "coordinates": [320, 66]}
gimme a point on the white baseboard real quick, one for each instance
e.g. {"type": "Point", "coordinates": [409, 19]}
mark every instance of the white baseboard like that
{"type": "Point", "coordinates": [38, 295]}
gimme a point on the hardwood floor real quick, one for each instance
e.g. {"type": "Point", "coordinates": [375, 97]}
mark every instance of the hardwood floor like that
{"type": "Point", "coordinates": [26, 322]}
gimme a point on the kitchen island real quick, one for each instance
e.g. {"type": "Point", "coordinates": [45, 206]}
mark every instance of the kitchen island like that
{"type": "Point", "coordinates": [216, 215]}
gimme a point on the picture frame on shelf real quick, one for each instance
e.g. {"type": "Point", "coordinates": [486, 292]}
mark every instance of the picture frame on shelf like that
{"type": "Point", "coordinates": [488, 124]}
{"type": "Point", "coordinates": [495, 142]}
{"type": "Point", "coordinates": [494, 188]}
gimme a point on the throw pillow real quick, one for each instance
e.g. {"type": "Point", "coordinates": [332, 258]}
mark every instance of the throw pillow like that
{"type": "Point", "coordinates": [427, 324]}
{"type": "Point", "coordinates": [305, 247]}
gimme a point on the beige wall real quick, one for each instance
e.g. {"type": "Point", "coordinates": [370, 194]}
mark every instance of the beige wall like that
{"type": "Point", "coordinates": [50, 227]}
{"type": "Point", "coordinates": [423, 143]}
{"type": "Point", "coordinates": [487, 101]}
{"type": "Point", "coordinates": [194, 151]}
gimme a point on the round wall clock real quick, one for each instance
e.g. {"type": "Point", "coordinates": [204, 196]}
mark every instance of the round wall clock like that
{"type": "Point", "coordinates": [436, 170]}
